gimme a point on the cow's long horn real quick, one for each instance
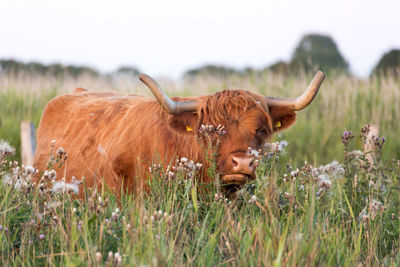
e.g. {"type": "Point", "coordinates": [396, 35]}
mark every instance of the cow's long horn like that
{"type": "Point", "coordinates": [169, 105]}
{"type": "Point", "coordinates": [302, 101]}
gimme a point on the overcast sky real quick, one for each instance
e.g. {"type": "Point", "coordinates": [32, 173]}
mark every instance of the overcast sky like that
{"type": "Point", "coordinates": [167, 37]}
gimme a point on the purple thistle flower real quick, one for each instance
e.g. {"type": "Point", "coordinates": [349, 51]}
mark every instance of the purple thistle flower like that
{"type": "Point", "coordinates": [41, 236]}
{"type": "Point", "coordinates": [347, 135]}
{"type": "Point", "coordinates": [80, 225]}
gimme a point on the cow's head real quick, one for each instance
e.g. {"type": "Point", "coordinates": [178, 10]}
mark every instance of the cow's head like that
{"type": "Point", "coordinates": [249, 119]}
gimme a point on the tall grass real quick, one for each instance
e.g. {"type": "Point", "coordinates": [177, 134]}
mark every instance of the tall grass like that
{"type": "Point", "coordinates": [333, 215]}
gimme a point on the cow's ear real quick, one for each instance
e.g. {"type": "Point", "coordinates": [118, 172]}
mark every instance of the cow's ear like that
{"type": "Point", "coordinates": [282, 118]}
{"type": "Point", "coordinates": [184, 122]}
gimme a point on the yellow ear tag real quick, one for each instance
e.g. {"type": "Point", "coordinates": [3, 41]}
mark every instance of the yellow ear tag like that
{"type": "Point", "coordinates": [278, 124]}
{"type": "Point", "coordinates": [188, 129]}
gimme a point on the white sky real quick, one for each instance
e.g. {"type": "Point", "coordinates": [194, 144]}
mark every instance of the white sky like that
{"type": "Point", "coordinates": [168, 37]}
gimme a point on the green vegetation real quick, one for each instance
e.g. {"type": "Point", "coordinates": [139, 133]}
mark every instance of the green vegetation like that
{"type": "Point", "coordinates": [18, 106]}
{"type": "Point", "coordinates": [218, 71]}
{"type": "Point", "coordinates": [317, 51]}
{"type": "Point", "coordinates": [389, 64]}
{"type": "Point", "coordinates": [128, 70]}
{"type": "Point", "coordinates": [332, 215]}
{"type": "Point", "coordinates": [339, 214]}
{"type": "Point", "coordinates": [313, 52]}
{"type": "Point", "coordinates": [10, 66]}
{"type": "Point", "coordinates": [56, 70]}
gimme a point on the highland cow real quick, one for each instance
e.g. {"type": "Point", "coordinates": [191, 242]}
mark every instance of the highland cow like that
{"type": "Point", "coordinates": [115, 138]}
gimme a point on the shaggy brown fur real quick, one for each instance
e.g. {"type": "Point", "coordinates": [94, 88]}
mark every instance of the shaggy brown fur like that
{"type": "Point", "coordinates": [115, 138]}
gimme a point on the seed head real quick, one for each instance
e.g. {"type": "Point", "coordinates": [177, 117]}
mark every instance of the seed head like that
{"type": "Point", "coordinates": [60, 151]}
{"type": "Point", "coordinates": [6, 148]}
{"type": "Point", "coordinates": [253, 199]}
{"type": "Point", "coordinates": [98, 256]}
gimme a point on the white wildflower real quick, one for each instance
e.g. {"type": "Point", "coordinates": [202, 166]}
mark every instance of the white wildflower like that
{"type": "Point", "coordinates": [117, 258]}
{"type": "Point", "coordinates": [298, 236]}
{"type": "Point", "coordinates": [98, 256]}
{"type": "Point", "coordinates": [53, 174]}
{"type": "Point", "coordinates": [60, 151]}
{"type": "Point", "coordinates": [375, 207]}
{"type": "Point", "coordinates": [110, 256]}
{"type": "Point", "coordinates": [252, 152]}
{"type": "Point", "coordinates": [356, 154]}
{"type": "Point", "coordinates": [326, 183]}
{"type": "Point", "coordinates": [282, 145]}
{"type": "Point", "coordinates": [171, 175]}
{"type": "Point", "coordinates": [277, 146]}
{"type": "Point", "coordinates": [53, 204]}
{"type": "Point", "coordinates": [6, 148]}
{"type": "Point", "coordinates": [253, 199]}
{"type": "Point", "coordinates": [371, 210]}
{"type": "Point", "coordinates": [62, 187]}
{"type": "Point", "coordinates": [9, 180]}
{"type": "Point", "coordinates": [218, 197]}
{"type": "Point", "coordinates": [29, 169]}
{"type": "Point", "coordinates": [333, 169]}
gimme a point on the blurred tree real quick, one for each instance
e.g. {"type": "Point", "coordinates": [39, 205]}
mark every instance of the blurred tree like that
{"type": "Point", "coordinates": [13, 67]}
{"type": "Point", "coordinates": [389, 64]}
{"type": "Point", "coordinates": [211, 70]}
{"type": "Point", "coordinates": [318, 51]}
{"type": "Point", "coordinates": [249, 71]}
{"type": "Point", "coordinates": [279, 67]}
{"type": "Point", "coordinates": [56, 70]}
{"type": "Point", "coordinates": [35, 68]}
{"type": "Point", "coordinates": [10, 66]}
{"type": "Point", "coordinates": [76, 71]}
{"type": "Point", "coordinates": [128, 70]}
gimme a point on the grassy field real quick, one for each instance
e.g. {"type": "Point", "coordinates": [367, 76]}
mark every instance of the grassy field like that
{"type": "Point", "coordinates": [344, 103]}
{"type": "Point", "coordinates": [316, 212]}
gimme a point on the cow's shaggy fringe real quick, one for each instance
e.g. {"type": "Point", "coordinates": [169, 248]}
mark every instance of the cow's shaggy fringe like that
{"type": "Point", "coordinates": [227, 106]}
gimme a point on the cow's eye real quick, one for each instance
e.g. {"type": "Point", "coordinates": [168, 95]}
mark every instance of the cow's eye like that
{"type": "Point", "coordinates": [261, 133]}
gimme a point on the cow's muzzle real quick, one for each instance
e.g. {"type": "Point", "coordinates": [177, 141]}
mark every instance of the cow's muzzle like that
{"type": "Point", "coordinates": [236, 178]}
{"type": "Point", "coordinates": [242, 170]}
{"type": "Point", "coordinates": [234, 182]}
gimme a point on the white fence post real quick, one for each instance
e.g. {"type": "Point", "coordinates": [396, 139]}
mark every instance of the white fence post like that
{"type": "Point", "coordinates": [28, 142]}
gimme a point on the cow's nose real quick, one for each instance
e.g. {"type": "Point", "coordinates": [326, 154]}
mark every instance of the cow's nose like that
{"type": "Point", "coordinates": [243, 165]}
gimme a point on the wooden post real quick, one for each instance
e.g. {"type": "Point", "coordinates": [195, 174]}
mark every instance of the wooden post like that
{"type": "Point", "coordinates": [28, 142]}
{"type": "Point", "coordinates": [369, 146]}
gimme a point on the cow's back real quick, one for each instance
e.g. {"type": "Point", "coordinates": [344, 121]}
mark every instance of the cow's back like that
{"type": "Point", "coordinates": [83, 124]}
